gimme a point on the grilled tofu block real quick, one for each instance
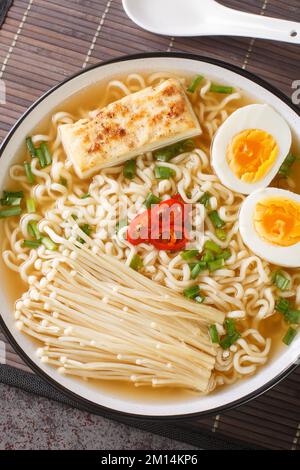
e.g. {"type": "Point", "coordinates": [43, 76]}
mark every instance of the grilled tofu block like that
{"type": "Point", "coordinates": [144, 121]}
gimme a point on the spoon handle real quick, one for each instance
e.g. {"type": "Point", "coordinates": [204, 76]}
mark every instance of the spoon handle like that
{"type": "Point", "coordinates": [236, 23]}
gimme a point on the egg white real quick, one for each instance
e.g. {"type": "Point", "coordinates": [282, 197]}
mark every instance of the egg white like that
{"type": "Point", "coordinates": [289, 256]}
{"type": "Point", "coordinates": [254, 116]}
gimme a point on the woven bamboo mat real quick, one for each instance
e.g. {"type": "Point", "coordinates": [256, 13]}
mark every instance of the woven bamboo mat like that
{"type": "Point", "coordinates": [44, 41]}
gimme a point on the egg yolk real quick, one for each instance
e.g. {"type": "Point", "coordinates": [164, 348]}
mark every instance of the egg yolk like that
{"type": "Point", "coordinates": [251, 154]}
{"type": "Point", "coordinates": [277, 221]}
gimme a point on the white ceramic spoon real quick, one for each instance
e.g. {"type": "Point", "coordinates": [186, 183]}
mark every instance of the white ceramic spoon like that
{"type": "Point", "coordinates": [206, 18]}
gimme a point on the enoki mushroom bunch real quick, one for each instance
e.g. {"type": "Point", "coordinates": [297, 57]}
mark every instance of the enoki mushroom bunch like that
{"type": "Point", "coordinates": [97, 318]}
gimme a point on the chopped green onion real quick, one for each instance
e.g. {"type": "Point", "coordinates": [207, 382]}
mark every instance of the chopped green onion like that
{"type": "Point", "coordinates": [191, 292]}
{"type": "Point", "coordinates": [13, 194]}
{"type": "Point", "coordinates": [49, 244]}
{"type": "Point", "coordinates": [195, 83]}
{"type": "Point", "coordinates": [221, 89]}
{"type": "Point", "coordinates": [199, 298]}
{"type": "Point", "coordinates": [129, 169]}
{"type": "Point", "coordinates": [11, 201]}
{"type": "Point", "coordinates": [163, 172]}
{"type": "Point", "coordinates": [46, 153]}
{"type": "Point", "coordinates": [85, 196]}
{"type": "Point", "coordinates": [41, 158]}
{"type": "Point", "coordinates": [208, 256]}
{"type": "Point", "coordinates": [229, 340]}
{"type": "Point", "coordinates": [30, 205]}
{"type": "Point", "coordinates": [30, 146]}
{"type": "Point", "coordinates": [28, 172]}
{"type": "Point", "coordinates": [215, 265]}
{"type": "Point", "coordinates": [136, 262]}
{"type": "Point", "coordinates": [230, 326]}
{"type": "Point", "coordinates": [10, 212]}
{"type": "Point", "coordinates": [286, 167]}
{"type": "Point", "coordinates": [282, 305]}
{"type": "Point", "coordinates": [122, 223]}
{"type": "Point", "coordinates": [194, 294]}
{"type": "Point", "coordinates": [87, 230]}
{"type": "Point", "coordinates": [204, 199]}
{"type": "Point", "coordinates": [292, 316]}
{"type": "Point", "coordinates": [151, 200]}
{"type": "Point", "coordinates": [197, 269]}
{"type": "Point", "coordinates": [166, 154]}
{"type": "Point", "coordinates": [191, 266]}
{"type": "Point", "coordinates": [31, 243]}
{"type": "Point", "coordinates": [290, 336]}
{"type": "Point", "coordinates": [63, 181]}
{"type": "Point", "coordinates": [189, 254]}
{"type": "Point", "coordinates": [214, 334]}
{"type": "Point", "coordinates": [280, 280]}
{"type": "Point", "coordinates": [221, 234]}
{"type": "Point", "coordinates": [232, 334]}
{"type": "Point", "coordinates": [225, 255]}
{"type": "Point", "coordinates": [33, 230]}
{"type": "Point", "coordinates": [216, 219]}
{"type": "Point", "coordinates": [212, 246]}
{"type": "Point", "coordinates": [12, 198]}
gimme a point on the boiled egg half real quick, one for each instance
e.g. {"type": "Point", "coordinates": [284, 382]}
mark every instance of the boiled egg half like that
{"type": "Point", "coordinates": [269, 223]}
{"type": "Point", "coordinates": [249, 148]}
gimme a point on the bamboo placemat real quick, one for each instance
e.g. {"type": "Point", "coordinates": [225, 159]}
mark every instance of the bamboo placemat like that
{"type": "Point", "coordinates": [44, 41]}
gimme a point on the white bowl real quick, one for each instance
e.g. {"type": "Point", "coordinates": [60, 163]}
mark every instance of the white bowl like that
{"type": "Point", "coordinates": [95, 399]}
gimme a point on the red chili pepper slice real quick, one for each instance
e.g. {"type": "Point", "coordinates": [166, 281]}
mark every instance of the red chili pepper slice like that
{"type": "Point", "coordinates": [171, 244]}
{"type": "Point", "coordinates": [139, 229]}
{"type": "Point", "coordinates": [163, 226]}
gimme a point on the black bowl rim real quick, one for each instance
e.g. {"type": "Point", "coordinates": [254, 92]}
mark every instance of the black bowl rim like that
{"type": "Point", "coordinates": [84, 403]}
